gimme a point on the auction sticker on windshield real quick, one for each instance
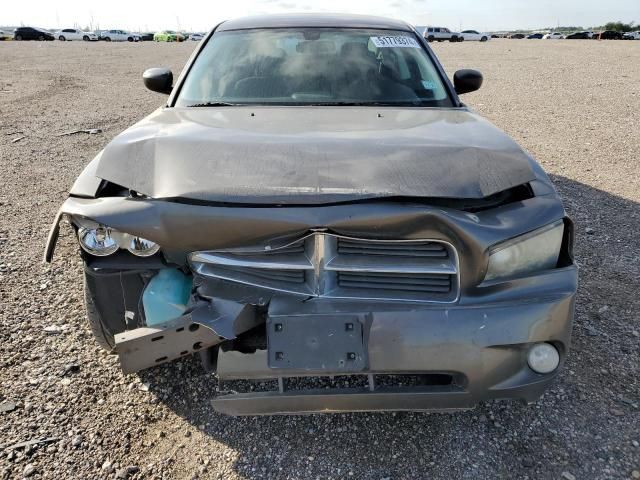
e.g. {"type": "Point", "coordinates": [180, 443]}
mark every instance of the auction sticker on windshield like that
{"type": "Point", "coordinates": [395, 42]}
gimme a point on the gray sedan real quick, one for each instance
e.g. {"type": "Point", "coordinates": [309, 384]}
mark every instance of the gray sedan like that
{"type": "Point", "coordinates": [313, 202]}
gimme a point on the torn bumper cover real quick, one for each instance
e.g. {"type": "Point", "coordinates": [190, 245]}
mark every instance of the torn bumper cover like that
{"type": "Point", "coordinates": [204, 326]}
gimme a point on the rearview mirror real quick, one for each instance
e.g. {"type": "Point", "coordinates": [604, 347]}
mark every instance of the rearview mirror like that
{"type": "Point", "coordinates": [466, 81]}
{"type": "Point", "coordinates": [158, 80]}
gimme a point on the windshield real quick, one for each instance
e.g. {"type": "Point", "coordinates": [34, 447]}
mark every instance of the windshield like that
{"type": "Point", "coordinates": [314, 66]}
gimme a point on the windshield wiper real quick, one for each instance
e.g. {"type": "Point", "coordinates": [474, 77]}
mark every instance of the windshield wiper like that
{"type": "Point", "coordinates": [214, 104]}
{"type": "Point", "coordinates": [366, 104]}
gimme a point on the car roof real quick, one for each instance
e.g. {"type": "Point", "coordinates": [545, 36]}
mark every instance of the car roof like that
{"type": "Point", "coordinates": [314, 20]}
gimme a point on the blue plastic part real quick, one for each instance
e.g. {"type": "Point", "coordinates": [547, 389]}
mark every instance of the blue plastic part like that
{"type": "Point", "coordinates": [165, 296]}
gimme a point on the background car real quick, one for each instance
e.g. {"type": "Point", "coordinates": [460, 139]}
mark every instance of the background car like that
{"type": "Point", "coordinates": [196, 37]}
{"type": "Point", "coordinates": [147, 36]}
{"type": "Point", "coordinates": [168, 36]}
{"type": "Point", "coordinates": [4, 35]}
{"type": "Point", "coordinates": [608, 35]}
{"type": "Point", "coordinates": [516, 36]}
{"type": "Point", "coordinates": [474, 35]}
{"type": "Point", "coordinates": [119, 36]}
{"type": "Point", "coordinates": [75, 34]}
{"type": "Point", "coordinates": [535, 36]}
{"type": "Point", "coordinates": [554, 36]}
{"type": "Point", "coordinates": [631, 36]}
{"type": "Point", "coordinates": [578, 36]}
{"type": "Point", "coordinates": [441, 34]}
{"type": "Point", "coordinates": [31, 33]}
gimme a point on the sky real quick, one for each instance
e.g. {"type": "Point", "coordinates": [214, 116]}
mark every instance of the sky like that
{"type": "Point", "coordinates": [202, 15]}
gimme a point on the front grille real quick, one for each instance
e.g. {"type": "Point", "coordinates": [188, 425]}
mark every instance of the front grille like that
{"type": "Point", "coordinates": [331, 266]}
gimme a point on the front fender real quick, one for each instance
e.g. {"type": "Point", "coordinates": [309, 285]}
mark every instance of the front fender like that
{"type": "Point", "coordinates": [87, 184]}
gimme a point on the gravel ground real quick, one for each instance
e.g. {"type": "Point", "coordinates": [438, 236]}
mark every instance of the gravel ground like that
{"type": "Point", "coordinates": [575, 105]}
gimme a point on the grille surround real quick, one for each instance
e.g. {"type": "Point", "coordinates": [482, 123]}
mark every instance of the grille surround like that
{"type": "Point", "coordinates": [342, 267]}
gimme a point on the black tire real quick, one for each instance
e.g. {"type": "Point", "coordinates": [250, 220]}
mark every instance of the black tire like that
{"type": "Point", "coordinates": [18, 37]}
{"type": "Point", "coordinates": [85, 38]}
{"type": "Point", "coordinates": [107, 39]}
{"type": "Point", "coordinates": [61, 38]}
{"type": "Point", "coordinates": [41, 38]}
{"type": "Point", "coordinates": [101, 332]}
{"type": "Point", "coordinates": [484, 39]}
{"type": "Point", "coordinates": [130, 39]}
{"type": "Point", "coordinates": [430, 38]}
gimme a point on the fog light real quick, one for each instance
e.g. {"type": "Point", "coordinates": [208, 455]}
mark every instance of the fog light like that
{"type": "Point", "coordinates": [543, 358]}
{"type": "Point", "coordinates": [97, 241]}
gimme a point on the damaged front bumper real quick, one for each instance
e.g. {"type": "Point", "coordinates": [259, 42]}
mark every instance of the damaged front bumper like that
{"type": "Point", "coordinates": [440, 358]}
{"type": "Point", "coordinates": [400, 354]}
{"type": "Point", "coordinates": [456, 356]}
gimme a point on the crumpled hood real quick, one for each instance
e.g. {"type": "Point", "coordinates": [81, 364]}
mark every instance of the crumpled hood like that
{"type": "Point", "coordinates": [313, 155]}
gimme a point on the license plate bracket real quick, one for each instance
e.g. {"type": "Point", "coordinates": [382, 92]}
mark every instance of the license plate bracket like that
{"type": "Point", "coordinates": [316, 343]}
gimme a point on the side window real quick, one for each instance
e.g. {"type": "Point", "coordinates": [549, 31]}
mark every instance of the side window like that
{"type": "Point", "coordinates": [429, 29]}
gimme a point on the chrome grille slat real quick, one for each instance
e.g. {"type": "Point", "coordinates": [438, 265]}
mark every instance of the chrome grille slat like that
{"type": "Point", "coordinates": [359, 263]}
{"type": "Point", "coordinates": [254, 260]}
{"type": "Point", "coordinates": [331, 266]}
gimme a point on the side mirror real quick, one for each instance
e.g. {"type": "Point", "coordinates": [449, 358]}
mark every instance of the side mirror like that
{"type": "Point", "coordinates": [466, 81]}
{"type": "Point", "coordinates": [158, 80]}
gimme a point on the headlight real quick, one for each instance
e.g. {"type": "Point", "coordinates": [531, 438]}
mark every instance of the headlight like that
{"type": "Point", "coordinates": [97, 241]}
{"type": "Point", "coordinates": [142, 247]}
{"type": "Point", "coordinates": [535, 251]}
{"type": "Point", "coordinates": [101, 240]}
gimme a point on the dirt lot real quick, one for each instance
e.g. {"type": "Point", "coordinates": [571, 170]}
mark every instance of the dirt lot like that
{"type": "Point", "coordinates": [574, 104]}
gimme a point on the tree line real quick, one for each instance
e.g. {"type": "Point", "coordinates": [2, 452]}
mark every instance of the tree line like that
{"type": "Point", "coordinates": [620, 26]}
